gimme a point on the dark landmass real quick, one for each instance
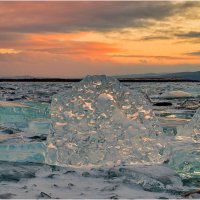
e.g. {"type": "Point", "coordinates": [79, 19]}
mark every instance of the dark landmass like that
{"type": "Point", "coordinates": [184, 75]}
{"type": "Point", "coordinates": [78, 80]}
{"type": "Point", "coordinates": [149, 77]}
{"type": "Point", "coordinates": [40, 80]}
{"type": "Point", "coordinates": [177, 75]}
{"type": "Point", "coordinates": [157, 80]}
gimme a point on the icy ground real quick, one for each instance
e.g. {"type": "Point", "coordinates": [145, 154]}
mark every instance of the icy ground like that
{"type": "Point", "coordinates": [25, 120]}
{"type": "Point", "coordinates": [32, 180]}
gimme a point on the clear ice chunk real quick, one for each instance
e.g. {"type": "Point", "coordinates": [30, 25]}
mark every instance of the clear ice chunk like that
{"type": "Point", "coordinates": [101, 122]}
{"type": "Point", "coordinates": [185, 160]}
{"type": "Point", "coordinates": [191, 129]}
{"type": "Point", "coordinates": [185, 154]}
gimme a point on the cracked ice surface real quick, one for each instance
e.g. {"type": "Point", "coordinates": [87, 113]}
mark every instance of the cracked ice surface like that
{"type": "Point", "coordinates": [101, 122]}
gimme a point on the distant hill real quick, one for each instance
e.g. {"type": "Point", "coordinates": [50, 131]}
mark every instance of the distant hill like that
{"type": "Point", "coordinates": [181, 76]}
{"type": "Point", "coordinates": [17, 77]}
{"type": "Point", "coordinates": [178, 75]}
{"type": "Point", "coordinates": [184, 75]}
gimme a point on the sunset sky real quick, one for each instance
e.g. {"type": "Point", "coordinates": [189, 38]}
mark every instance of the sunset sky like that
{"type": "Point", "coordinates": [73, 39]}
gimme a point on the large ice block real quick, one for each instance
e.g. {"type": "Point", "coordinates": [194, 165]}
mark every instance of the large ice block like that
{"type": "Point", "coordinates": [101, 122]}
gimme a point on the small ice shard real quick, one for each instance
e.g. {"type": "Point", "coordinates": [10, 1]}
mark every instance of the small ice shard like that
{"type": "Point", "coordinates": [100, 122]}
{"type": "Point", "coordinates": [185, 160]}
{"type": "Point", "coordinates": [191, 129]}
{"type": "Point", "coordinates": [176, 94]}
{"type": "Point", "coordinates": [185, 156]}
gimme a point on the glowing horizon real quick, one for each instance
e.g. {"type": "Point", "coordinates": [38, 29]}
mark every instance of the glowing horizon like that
{"type": "Point", "coordinates": [73, 39]}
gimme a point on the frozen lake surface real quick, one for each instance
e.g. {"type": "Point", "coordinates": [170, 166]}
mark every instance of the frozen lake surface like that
{"type": "Point", "coordinates": [144, 144]}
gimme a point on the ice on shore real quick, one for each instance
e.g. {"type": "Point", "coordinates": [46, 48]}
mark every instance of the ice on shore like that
{"type": "Point", "coordinates": [101, 122]}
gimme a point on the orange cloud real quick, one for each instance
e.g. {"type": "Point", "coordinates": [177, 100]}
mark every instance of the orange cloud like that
{"type": "Point", "coordinates": [115, 37]}
{"type": "Point", "coordinates": [155, 60]}
{"type": "Point", "coordinates": [9, 51]}
{"type": "Point", "coordinates": [70, 45]}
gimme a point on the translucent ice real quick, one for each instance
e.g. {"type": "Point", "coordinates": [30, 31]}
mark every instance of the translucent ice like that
{"type": "Point", "coordinates": [18, 115]}
{"type": "Point", "coordinates": [185, 154]}
{"type": "Point", "coordinates": [101, 122]}
{"type": "Point", "coordinates": [185, 160]}
{"type": "Point", "coordinates": [23, 152]}
{"type": "Point", "coordinates": [19, 123]}
{"type": "Point", "coordinates": [192, 129]}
